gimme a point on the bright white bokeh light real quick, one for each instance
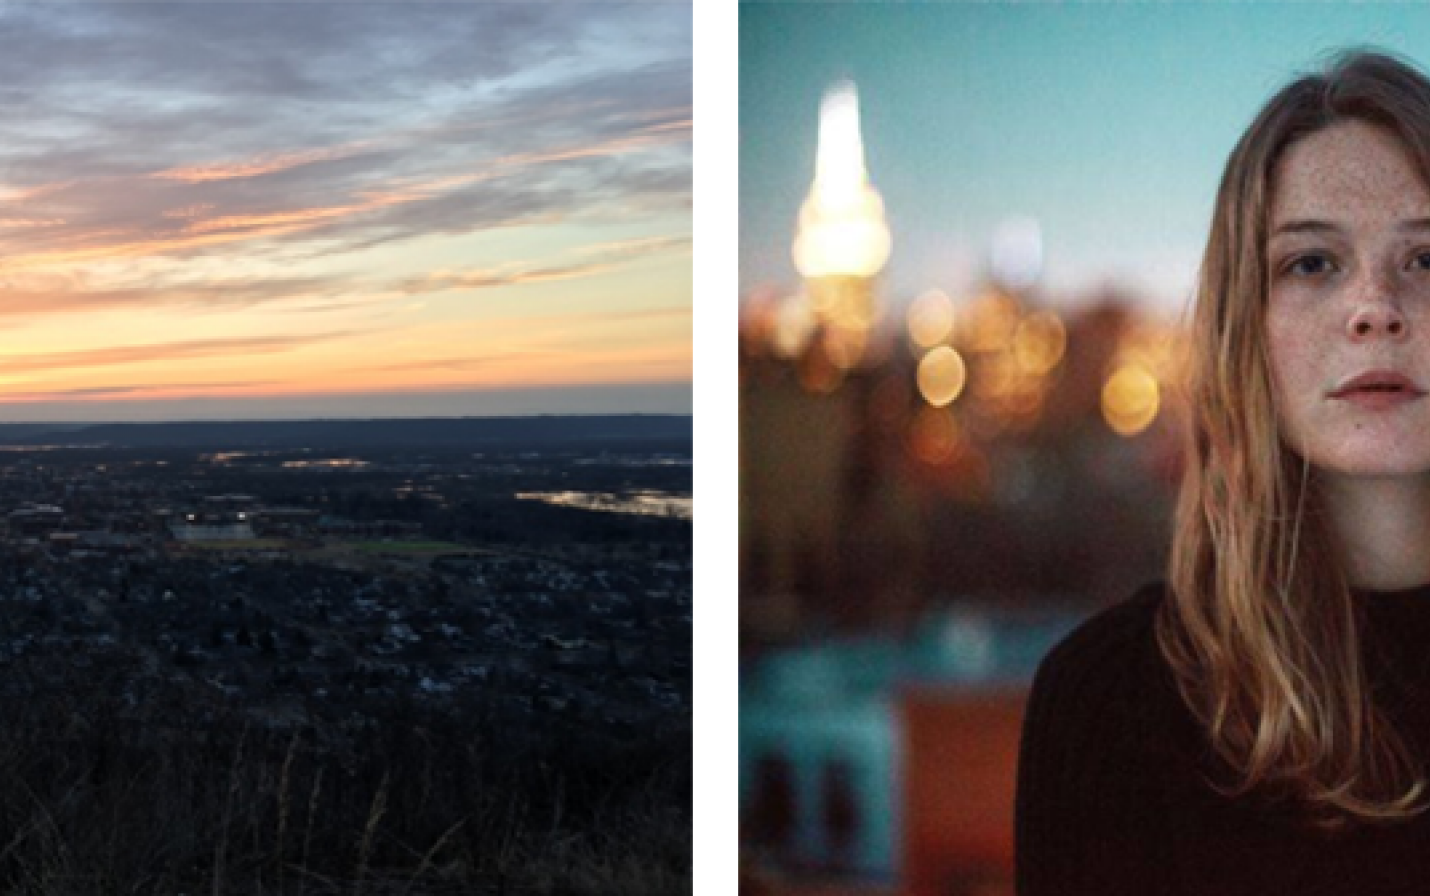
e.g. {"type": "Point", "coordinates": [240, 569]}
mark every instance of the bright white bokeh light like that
{"type": "Point", "coordinates": [839, 172]}
{"type": "Point", "coordinates": [1017, 253]}
{"type": "Point", "coordinates": [841, 225]}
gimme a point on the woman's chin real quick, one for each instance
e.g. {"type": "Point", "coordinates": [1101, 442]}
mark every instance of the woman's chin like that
{"type": "Point", "coordinates": [1374, 464]}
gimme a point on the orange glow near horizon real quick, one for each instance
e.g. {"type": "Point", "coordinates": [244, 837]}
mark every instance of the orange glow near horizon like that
{"type": "Point", "coordinates": [489, 355]}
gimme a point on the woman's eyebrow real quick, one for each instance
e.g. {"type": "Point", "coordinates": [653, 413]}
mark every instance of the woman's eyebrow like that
{"type": "Point", "coordinates": [1306, 225]}
{"type": "Point", "coordinates": [1313, 225]}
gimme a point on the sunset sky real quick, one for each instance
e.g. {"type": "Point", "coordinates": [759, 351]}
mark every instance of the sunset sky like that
{"type": "Point", "coordinates": [246, 211]}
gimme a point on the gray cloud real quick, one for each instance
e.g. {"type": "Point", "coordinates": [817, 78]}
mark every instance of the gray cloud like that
{"type": "Point", "coordinates": [303, 51]}
{"type": "Point", "coordinates": [502, 111]}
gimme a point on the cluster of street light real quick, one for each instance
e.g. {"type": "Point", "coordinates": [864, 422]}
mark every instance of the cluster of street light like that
{"type": "Point", "coordinates": [986, 361]}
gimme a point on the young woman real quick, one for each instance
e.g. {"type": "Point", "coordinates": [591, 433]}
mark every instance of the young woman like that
{"type": "Point", "coordinates": [1261, 723]}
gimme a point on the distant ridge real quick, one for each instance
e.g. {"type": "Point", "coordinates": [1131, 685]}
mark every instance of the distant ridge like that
{"type": "Point", "coordinates": [478, 432]}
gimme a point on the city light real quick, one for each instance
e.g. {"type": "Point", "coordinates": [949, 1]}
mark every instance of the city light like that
{"type": "Point", "coordinates": [941, 376]}
{"type": "Point", "coordinates": [794, 324]}
{"type": "Point", "coordinates": [842, 240]}
{"type": "Point", "coordinates": [931, 319]}
{"type": "Point", "coordinates": [841, 226]}
{"type": "Point", "coordinates": [845, 346]}
{"type": "Point", "coordinates": [1039, 342]}
{"type": "Point", "coordinates": [1017, 256]}
{"type": "Point", "coordinates": [1130, 400]}
{"type": "Point", "coordinates": [992, 321]}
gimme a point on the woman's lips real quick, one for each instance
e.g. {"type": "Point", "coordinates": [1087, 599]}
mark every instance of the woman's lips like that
{"type": "Point", "coordinates": [1378, 381]}
{"type": "Point", "coordinates": [1378, 390]}
{"type": "Point", "coordinates": [1379, 399]}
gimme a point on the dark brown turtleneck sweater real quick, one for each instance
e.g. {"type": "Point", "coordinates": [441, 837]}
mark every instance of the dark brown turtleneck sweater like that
{"type": "Point", "coordinates": [1113, 796]}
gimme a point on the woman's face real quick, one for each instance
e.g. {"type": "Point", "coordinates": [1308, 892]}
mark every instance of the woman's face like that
{"type": "Point", "coordinates": [1349, 266]}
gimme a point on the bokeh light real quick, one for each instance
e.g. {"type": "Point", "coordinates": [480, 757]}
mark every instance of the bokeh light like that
{"type": "Point", "coordinates": [854, 245]}
{"type": "Point", "coordinates": [844, 346]}
{"type": "Point", "coordinates": [1017, 255]}
{"type": "Point", "coordinates": [841, 224]}
{"type": "Point", "coordinates": [930, 319]}
{"type": "Point", "coordinates": [941, 376]}
{"type": "Point", "coordinates": [1130, 399]}
{"type": "Point", "coordinates": [794, 324]}
{"type": "Point", "coordinates": [934, 436]}
{"type": "Point", "coordinates": [1039, 342]}
{"type": "Point", "coordinates": [995, 375]}
{"type": "Point", "coordinates": [992, 320]}
{"type": "Point", "coordinates": [847, 302]}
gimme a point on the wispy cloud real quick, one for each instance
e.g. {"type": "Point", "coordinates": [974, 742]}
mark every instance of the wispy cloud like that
{"type": "Point", "coordinates": [169, 351]}
{"type": "Point", "coordinates": [471, 363]}
{"type": "Point", "coordinates": [29, 223]}
{"type": "Point", "coordinates": [489, 278]}
{"type": "Point", "coordinates": [264, 224]}
{"type": "Point", "coordinates": [211, 213]}
{"type": "Point", "coordinates": [260, 165]}
{"type": "Point", "coordinates": [189, 212]}
{"type": "Point", "coordinates": [115, 391]}
{"type": "Point", "coordinates": [604, 257]}
{"type": "Point", "coordinates": [58, 295]}
{"type": "Point", "coordinates": [282, 164]}
{"type": "Point", "coordinates": [650, 245]}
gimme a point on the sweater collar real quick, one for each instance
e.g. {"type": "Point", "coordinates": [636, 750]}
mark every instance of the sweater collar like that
{"type": "Point", "coordinates": [1421, 590]}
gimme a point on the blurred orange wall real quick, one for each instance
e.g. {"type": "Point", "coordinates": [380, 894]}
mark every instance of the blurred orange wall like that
{"type": "Point", "coordinates": [960, 774]}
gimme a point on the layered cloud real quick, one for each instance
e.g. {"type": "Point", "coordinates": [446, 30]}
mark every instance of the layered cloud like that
{"type": "Point", "coordinates": [164, 164]}
{"type": "Point", "coordinates": [352, 123]}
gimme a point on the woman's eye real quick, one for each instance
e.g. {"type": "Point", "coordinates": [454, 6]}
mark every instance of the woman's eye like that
{"type": "Point", "coordinates": [1421, 261]}
{"type": "Point", "coordinates": [1311, 265]}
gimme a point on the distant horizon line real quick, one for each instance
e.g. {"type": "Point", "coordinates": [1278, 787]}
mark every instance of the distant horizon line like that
{"type": "Point", "coordinates": [345, 419]}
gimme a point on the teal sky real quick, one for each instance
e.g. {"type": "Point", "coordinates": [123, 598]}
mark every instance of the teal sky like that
{"type": "Point", "coordinates": [1108, 123]}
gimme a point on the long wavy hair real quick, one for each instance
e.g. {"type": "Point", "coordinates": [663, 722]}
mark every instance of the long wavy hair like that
{"type": "Point", "coordinates": [1260, 630]}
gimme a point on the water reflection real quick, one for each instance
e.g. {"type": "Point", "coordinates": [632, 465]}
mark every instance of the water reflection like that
{"type": "Point", "coordinates": [642, 503]}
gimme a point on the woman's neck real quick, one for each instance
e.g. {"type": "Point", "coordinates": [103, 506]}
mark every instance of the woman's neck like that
{"type": "Point", "coordinates": [1383, 525]}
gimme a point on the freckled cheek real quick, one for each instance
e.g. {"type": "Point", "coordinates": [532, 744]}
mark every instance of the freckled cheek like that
{"type": "Point", "coordinates": [1295, 366]}
{"type": "Point", "coordinates": [1281, 353]}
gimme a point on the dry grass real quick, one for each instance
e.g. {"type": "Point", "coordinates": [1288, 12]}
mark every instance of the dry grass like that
{"type": "Point", "coordinates": [405, 810]}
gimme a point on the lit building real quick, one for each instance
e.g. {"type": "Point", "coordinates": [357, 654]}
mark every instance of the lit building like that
{"type": "Point", "coordinates": [221, 524]}
{"type": "Point", "coordinates": [211, 531]}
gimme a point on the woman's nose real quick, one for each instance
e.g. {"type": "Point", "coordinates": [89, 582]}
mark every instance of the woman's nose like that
{"type": "Point", "coordinates": [1377, 315]}
{"type": "Point", "coordinates": [1377, 320]}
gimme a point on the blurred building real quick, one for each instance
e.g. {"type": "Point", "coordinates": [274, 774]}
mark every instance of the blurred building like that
{"type": "Point", "coordinates": [931, 493]}
{"type": "Point", "coordinates": [1048, 472]}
